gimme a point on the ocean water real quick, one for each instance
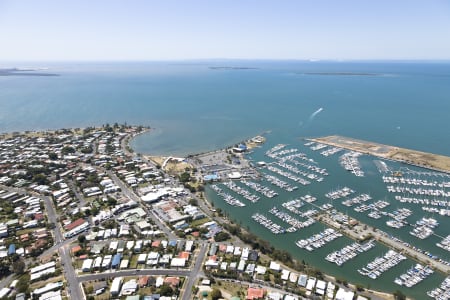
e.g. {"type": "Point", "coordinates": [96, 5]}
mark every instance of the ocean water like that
{"type": "Point", "coordinates": [195, 108]}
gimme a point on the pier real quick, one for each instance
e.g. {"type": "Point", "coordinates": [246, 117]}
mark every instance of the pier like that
{"type": "Point", "coordinates": [359, 232]}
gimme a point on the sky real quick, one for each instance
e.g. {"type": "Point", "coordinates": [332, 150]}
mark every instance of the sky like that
{"type": "Point", "coordinates": [84, 30]}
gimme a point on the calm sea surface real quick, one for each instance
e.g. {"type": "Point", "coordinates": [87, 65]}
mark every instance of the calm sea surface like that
{"type": "Point", "coordinates": [194, 108]}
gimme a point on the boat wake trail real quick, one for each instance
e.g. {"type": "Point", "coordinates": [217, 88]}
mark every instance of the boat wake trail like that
{"type": "Point", "coordinates": [310, 119]}
{"type": "Point", "coordinates": [314, 114]}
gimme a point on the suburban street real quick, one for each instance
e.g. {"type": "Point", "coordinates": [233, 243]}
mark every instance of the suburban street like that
{"type": "Point", "coordinates": [195, 272]}
{"type": "Point", "coordinates": [136, 272]}
{"type": "Point", "coordinates": [74, 288]}
{"type": "Point", "coordinates": [130, 194]}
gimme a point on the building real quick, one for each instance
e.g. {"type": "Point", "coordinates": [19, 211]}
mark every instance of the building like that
{"type": "Point", "coordinates": [143, 281]}
{"type": "Point", "coordinates": [54, 286]}
{"type": "Point", "coordinates": [116, 286]}
{"type": "Point", "coordinates": [116, 261]}
{"type": "Point", "coordinates": [87, 265]}
{"type": "Point", "coordinates": [12, 249]}
{"type": "Point", "coordinates": [178, 262]}
{"type": "Point", "coordinates": [129, 287]}
{"type": "Point", "coordinates": [255, 293]}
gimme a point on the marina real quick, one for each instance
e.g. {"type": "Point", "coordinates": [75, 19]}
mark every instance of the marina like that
{"type": "Point", "coordinates": [414, 275]}
{"type": "Point", "coordinates": [268, 224]}
{"type": "Point", "coordinates": [398, 217]}
{"type": "Point", "coordinates": [378, 266]}
{"type": "Point", "coordinates": [376, 206]}
{"type": "Point", "coordinates": [318, 240]}
{"type": "Point", "coordinates": [340, 193]}
{"type": "Point", "coordinates": [424, 228]}
{"type": "Point", "coordinates": [357, 200]}
{"type": "Point", "coordinates": [280, 183]}
{"type": "Point", "coordinates": [304, 213]}
{"type": "Point", "coordinates": [294, 206]}
{"type": "Point", "coordinates": [285, 217]}
{"type": "Point", "coordinates": [349, 252]}
{"type": "Point", "coordinates": [260, 188]}
{"type": "Point", "coordinates": [445, 243]}
{"type": "Point", "coordinates": [442, 292]}
{"type": "Point", "coordinates": [288, 175]}
{"type": "Point", "coordinates": [331, 151]}
{"type": "Point", "coordinates": [349, 161]}
{"type": "Point", "coordinates": [227, 197]}
{"type": "Point", "coordinates": [238, 190]}
{"type": "Point", "coordinates": [311, 172]}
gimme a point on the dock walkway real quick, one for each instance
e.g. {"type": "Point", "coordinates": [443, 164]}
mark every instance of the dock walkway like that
{"type": "Point", "coordinates": [358, 232]}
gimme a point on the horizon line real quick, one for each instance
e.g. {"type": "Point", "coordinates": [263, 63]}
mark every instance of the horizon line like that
{"type": "Point", "coordinates": [312, 60]}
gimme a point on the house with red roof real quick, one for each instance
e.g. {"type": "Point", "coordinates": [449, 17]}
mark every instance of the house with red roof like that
{"type": "Point", "coordinates": [172, 281]}
{"type": "Point", "coordinates": [74, 224]}
{"type": "Point", "coordinates": [184, 255]}
{"type": "Point", "coordinates": [255, 293]}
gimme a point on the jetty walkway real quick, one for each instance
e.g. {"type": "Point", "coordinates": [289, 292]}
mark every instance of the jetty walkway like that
{"type": "Point", "coordinates": [362, 230]}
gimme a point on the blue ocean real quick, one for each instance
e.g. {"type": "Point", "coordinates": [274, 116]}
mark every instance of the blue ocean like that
{"type": "Point", "coordinates": [197, 106]}
{"type": "Point", "coordinates": [200, 106]}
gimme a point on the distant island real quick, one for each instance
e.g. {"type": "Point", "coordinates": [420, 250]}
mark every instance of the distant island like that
{"type": "Point", "coordinates": [341, 74]}
{"type": "Point", "coordinates": [233, 68]}
{"type": "Point", "coordinates": [24, 72]}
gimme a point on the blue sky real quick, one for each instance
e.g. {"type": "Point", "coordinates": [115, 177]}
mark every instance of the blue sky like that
{"type": "Point", "coordinates": [247, 29]}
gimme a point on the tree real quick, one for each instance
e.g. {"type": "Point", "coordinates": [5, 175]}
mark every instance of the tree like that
{"type": "Point", "coordinates": [23, 284]}
{"type": "Point", "coordinates": [81, 238]}
{"type": "Point", "coordinates": [112, 201]}
{"type": "Point", "coordinates": [185, 177]}
{"type": "Point", "coordinates": [398, 295]}
{"type": "Point", "coordinates": [166, 290]}
{"type": "Point", "coordinates": [216, 294]}
{"type": "Point", "coordinates": [221, 236]}
{"type": "Point", "coordinates": [18, 266]}
{"type": "Point", "coordinates": [87, 150]}
{"type": "Point", "coordinates": [4, 268]}
{"type": "Point", "coordinates": [193, 202]}
{"type": "Point", "coordinates": [90, 289]}
{"type": "Point", "coordinates": [67, 149]}
{"type": "Point", "coordinates": [53, 156]}
{"type": "Point", "coordinates": [40, 179]}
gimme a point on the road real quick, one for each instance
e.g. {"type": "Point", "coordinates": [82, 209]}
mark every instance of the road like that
{"type": "Point", "coordinates": [130, 194]}
{"type": "Point", "coordinates": [73, 287]}
{"type": "Point", "coordinates": [191, 274]}
{"type": "Point", "coordinates": [57, 246]}
{"type": "Point", "coordinates": [78, 196]}
{"type": "Point", "coordinates": [152, 272]}
{"type": "Point", "coordinates": [195, 272]}
{"type": "Point", "coordinates": [52, 219]}
{"type": "Point", "coordinates": [64, 252]}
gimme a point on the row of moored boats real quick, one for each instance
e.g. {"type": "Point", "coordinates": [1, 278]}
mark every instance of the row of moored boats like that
{"type": "Point", "coordinates": [414, 275]}
{"type": "Point", "coordinates": [227, 197]}
{"type": "Point", "coordinates": [340, 257]}
{"type": "Point", "coordinates": [381, 264]}
{"type": "Point", "coordinates": [267, 223]}
{"type": "Point", "coordinates": [318, 240]}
